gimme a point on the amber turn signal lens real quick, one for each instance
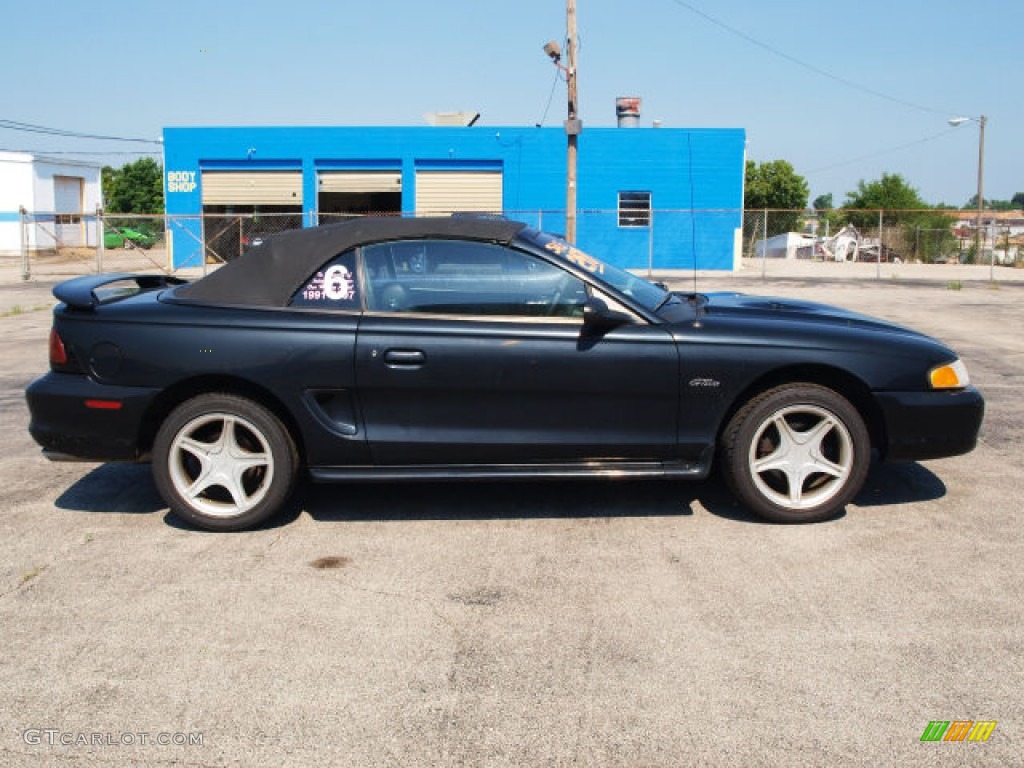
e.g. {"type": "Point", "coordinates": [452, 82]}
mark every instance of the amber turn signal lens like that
{"type": "Point", "coordinates": [950, 376]}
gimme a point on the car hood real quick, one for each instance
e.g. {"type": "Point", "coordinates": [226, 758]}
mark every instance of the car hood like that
{"type": "Point", "coordinates": [767, 308]}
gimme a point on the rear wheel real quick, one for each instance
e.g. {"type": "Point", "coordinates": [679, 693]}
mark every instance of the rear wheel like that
{"type": "Point", "coordinates": [796, 453]}
{"type": "Point", "coordinates": [224, 462]}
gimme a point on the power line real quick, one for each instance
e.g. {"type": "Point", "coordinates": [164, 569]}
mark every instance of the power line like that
{"type": "Point", "coordinates": [811, 67]}
{"type": "Point", "coordinates": [879, 153]}
{"type": "Point", "coordinates": [78, 152]}
{"type": "Point", "coordinates": [551, 96]}
{"type": "Point", "coordinates": [15, 125]}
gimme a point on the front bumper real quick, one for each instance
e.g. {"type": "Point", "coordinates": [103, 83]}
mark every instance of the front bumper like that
{"type": "Point", "coordinates": [66, 427]}
{"type": "Point", "coordinates": [930, 425]}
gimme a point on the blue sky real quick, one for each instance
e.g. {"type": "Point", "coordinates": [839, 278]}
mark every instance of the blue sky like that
{"type": "Point", "coordinates": [131, 68]}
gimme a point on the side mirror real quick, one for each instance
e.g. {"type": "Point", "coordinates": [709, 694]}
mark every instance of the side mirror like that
{"type": "Point", "coordinates": [597, 315]}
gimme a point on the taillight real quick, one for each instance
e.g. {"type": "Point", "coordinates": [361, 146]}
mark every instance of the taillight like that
{"type": "Point", "coordinates": [58, 355]}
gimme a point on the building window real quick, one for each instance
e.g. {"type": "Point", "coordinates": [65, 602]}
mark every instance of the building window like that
{"type": "Point", "coordinates": [634, 209]}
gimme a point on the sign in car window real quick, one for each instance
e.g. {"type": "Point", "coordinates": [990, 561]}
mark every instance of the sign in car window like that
{"type": "Point", "coordinates": [332, 287]}
{"type": "Point", "coordinates": [574, 255]}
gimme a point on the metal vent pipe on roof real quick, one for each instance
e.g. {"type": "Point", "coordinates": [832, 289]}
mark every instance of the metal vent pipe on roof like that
{"type": "Point", "coordinates": [627, 110]}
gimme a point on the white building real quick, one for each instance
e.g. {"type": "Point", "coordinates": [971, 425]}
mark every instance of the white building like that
{"type": "Point", "coordinates": [57, 193]}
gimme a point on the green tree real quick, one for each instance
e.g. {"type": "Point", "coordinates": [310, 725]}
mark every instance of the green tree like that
{"type": "Point", "coordinates": [913, 229]}
{"type": "Point", "coordinates": [828, 217]}
{"type": "Point", "coordinates": [136, 187]}
{"type": "Point", "coordinates": [776, 186]}
{"type": "Point", "coordinates": [1018, 200]}
{"type": "Point", "coordinates": [891, 194]}
{"type": "Point", "coordinates": [928, 236]}
{"type": "Point", "coordinates": [990, 205]}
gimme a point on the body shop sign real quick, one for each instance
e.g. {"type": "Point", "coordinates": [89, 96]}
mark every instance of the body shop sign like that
{"type": "Point", "coordinates": [181, 181]}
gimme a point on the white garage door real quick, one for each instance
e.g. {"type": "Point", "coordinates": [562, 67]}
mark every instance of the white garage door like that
{"type": "Point", "coordinates": [360, 181]}
{"type": "Point", "coordinates": [252, 187]}
{"type": "Point", "coordinates": [67, 204]}
{"type": "Point", "coordinates": [442, 192]}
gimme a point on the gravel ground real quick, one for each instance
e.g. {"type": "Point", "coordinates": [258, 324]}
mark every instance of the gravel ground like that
{"type": "Point", "coordinates": [589, 623]}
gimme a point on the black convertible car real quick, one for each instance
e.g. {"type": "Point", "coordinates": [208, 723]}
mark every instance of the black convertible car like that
{"type": "Point", "coordinates": [443, 348]}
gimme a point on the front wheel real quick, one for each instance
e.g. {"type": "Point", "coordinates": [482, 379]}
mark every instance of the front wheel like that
{"type": "Point", "coordinates": [796, 453]}
{"type": "Point", "coordinates": [223, 462]}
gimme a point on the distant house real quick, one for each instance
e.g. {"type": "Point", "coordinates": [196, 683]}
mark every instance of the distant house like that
{"type": "Point", "coordinates": [965, 222]}
{"type": "Point", "coordinates": [58, 192]}
{"type": "Point", "coordinates": [1001, 233]}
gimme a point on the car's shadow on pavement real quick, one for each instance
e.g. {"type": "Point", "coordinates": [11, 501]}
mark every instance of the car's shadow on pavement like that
{"type": "Point", "coordinates": [899, 484]}
{"type": "Point", "coordinates": [886, 484]}
{"type": "Point", "coordinates": [117, 488]}
{"type": "Point", "coordinates": [469, 500]}
{"type": "Point", "coordinates": [129, 489]}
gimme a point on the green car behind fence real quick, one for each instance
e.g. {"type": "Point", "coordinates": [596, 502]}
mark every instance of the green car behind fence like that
{"type": "Point", "coordinates": [125, 237]}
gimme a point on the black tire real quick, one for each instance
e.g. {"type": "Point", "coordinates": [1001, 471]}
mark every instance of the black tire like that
{"type": "Point", "coordinates": [246, 473]}
{"type": "Point", "coordinates": [797, 453]}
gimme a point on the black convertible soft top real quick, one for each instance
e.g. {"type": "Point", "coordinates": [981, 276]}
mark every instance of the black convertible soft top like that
{"type": "Point", "coordinates": [270, 274]}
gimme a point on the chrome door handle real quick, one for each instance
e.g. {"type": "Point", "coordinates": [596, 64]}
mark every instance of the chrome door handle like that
{"type": "Point", "coordinates": [405, 358]}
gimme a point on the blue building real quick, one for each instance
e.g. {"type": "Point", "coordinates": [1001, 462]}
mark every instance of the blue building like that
{"type": "Point", "coordinates": [662, 197]}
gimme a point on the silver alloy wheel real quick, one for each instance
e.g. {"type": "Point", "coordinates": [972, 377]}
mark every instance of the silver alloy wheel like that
{"type": "Point", "coordinates": [801, 456]}
{"type": "Point", "coordinates": [221, 464]}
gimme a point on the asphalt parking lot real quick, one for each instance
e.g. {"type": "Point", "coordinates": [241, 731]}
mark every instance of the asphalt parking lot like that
{"type": "Point", "coordinates": [590, 624]}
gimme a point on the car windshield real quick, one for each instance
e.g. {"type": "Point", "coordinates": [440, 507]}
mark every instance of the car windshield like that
{"type": "Point", "coordinates": [645, 294]}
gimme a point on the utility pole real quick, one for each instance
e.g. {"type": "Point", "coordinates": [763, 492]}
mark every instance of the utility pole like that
{"type": "Point", "coordinates": [573, 125]}
{"type": "Point", "coordinates": [981, 192]}
{"type": "Point", "coordinates": [978, 240]}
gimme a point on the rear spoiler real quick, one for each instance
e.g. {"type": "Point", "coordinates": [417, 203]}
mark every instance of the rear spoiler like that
{"type": "Point", "coordinates": [84, 292]}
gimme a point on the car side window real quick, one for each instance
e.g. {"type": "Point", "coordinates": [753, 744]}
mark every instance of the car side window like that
{"type": "Point", "coordinates": [334, 286]}
{"type": "Point", "coordinates": [461, 277]}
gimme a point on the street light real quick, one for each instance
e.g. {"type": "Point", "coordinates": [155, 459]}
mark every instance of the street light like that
{"type": "Point", "coordinates": [981, 121]}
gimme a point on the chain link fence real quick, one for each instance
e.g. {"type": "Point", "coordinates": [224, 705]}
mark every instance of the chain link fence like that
{"type": "Point", "coordinates": [907, 237]}
{"type": "Point", "coordinates": [62, 245]}
{"type": "Point", "coordinates": [229, 235]}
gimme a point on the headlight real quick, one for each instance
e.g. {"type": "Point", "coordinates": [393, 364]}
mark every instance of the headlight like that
{"type": "Point", "coordinates": [949, 376]}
